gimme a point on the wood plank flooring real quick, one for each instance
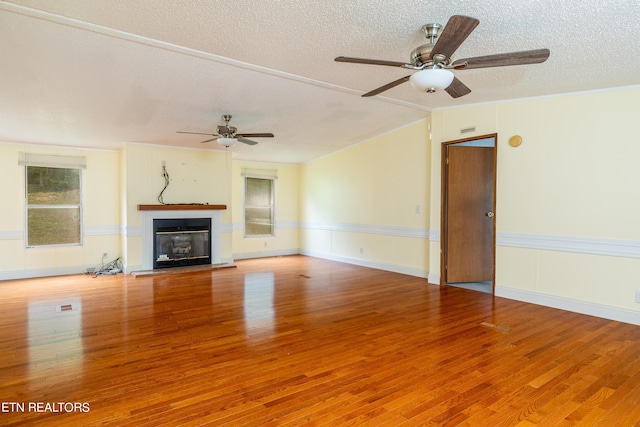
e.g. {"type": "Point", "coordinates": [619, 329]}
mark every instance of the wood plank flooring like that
{"type": "Point", "coordinates": [302, 341]}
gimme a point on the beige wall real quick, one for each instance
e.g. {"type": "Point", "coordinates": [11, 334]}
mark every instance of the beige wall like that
{"type": "Point", "coordinates": [100, 181]}
{"type": "Point", "coordinates": [567, 204]}
{"type": "Point", "coordinates": [369, 204]}
{"type": "Point", "coordinates": [285, 240]}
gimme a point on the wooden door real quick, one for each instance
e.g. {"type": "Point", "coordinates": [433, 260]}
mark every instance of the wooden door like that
{"type": "Point", "coordinates": [469, 214]}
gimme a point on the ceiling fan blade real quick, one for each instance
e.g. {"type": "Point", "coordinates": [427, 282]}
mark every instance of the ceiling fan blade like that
{"type": "Point", "coordinates": [196, 133]}
{"type": "Point", "coordinates": [503, 59]}
{"type": "Point", "coordinates": [255, 135]}
{"type": "Point", "coordinates": [370, 61]}
{"type": "Point", "coordinates": [387, 86]}
{"type": "Point", "coordinates": [209, 140]}
{"type": "Point", "coordinates": [455, 32]}
{"type": "Point", "coordinates": [246, 141]}
{"type": "Point", "coordinates": [457, 89]}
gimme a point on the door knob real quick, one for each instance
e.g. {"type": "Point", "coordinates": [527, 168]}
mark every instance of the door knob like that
{"type": "Point", "coordinates": [490, 214]}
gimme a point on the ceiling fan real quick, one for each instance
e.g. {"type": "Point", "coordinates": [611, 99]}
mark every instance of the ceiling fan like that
{"type": "Point", "coordinates": [228, 135]}
{"type": "Point", "coordinates": [433, 61]}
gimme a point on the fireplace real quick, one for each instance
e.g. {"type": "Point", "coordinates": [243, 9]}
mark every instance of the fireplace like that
{"type": "Point", "coordinates": [151, 213]}
{"type": "Point", "coordinates": [179, 242]}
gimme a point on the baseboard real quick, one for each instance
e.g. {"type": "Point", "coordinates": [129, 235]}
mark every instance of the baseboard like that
{"type": "Point", "coordinates": [131, 268]}
{"type": "Point", "coordinates": [568, 304]}
{"type": "Point", "coordinates": [433, 279]}
{"type": "Point", "coordinates": [44, 272]}
{"type": "Point", "coordinates": [402, 269]}
{"type": "Point", "coordinates": [265, 254]}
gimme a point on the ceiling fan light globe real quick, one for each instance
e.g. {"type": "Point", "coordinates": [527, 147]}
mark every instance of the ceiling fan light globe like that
{"type": "Point", "coordinates": [227, 142]}
{"type": "Point", "coordinates": [431, 79]}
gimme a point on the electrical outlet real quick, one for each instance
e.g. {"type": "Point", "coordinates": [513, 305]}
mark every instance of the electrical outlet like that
{"type": "Point", "coordinates": [164, 163]}
{"type": "Point", "coordinates": [104, 255]}
{"type": "Point", "coordinates": [361, 250]}
{"type": "Point", "coordinates": [417, 209]}
{"type": "Point", "coordinates": [638, 295]}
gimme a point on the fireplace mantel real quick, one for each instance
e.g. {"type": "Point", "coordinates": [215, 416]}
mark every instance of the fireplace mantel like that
{"type": "Point", "coordinates": [180, 211]}
{"type": "Point", "coordinates": [182, 207]}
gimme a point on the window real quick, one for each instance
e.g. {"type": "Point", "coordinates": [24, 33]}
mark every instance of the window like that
{"type": "Point", "coordinates": [259, 203]}
{"type": "Point", "coordinates": [53, 200]}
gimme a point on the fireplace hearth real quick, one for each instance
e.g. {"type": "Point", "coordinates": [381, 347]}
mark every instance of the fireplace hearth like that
{"type": "Point", "coordinates": [179, 242]}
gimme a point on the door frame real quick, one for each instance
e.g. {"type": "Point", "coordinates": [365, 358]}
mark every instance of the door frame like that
{"type": "Point", "coordinates": [443, 203]}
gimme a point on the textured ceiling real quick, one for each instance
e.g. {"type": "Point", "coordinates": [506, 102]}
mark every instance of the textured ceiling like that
{"type": "Point", "coordinates": [97, 73]}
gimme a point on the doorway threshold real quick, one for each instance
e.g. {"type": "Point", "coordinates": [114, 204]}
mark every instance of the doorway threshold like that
{"type": "Point", "coordinates": [486, 287]}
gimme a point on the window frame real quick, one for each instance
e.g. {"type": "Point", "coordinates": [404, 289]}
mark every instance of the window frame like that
{"type": "Point", "coordinates": [60, 162]}
{"type": "Point", "coordinates": [247, 176]}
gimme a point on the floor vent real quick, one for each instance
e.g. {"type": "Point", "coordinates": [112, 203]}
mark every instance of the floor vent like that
{"type": "Point", "coordinates": [66, 307]}
{"type": "Point", "coordinates": [498, 327]}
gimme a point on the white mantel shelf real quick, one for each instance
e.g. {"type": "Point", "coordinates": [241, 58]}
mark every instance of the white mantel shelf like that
{"type": "Point", "coordinates": [182, 207]}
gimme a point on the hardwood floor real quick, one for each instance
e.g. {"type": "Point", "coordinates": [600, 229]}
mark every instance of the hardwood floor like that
{"type": "Point", "coordinates": [302, 341]}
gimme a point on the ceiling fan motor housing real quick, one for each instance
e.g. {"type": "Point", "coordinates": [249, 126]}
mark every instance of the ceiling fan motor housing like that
{"type": "Point", "coordinates": [227, 131]}
{"type": "Point", "coordinates": [421, 54]}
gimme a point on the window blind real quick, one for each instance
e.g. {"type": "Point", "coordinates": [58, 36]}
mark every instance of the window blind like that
{"type": "Point", "coordinates": [52, 161]}
{"type": "Point", "coordinates": [260, 173]}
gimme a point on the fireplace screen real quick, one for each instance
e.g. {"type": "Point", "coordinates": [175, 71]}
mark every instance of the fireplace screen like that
{"type": "Point", "coordinates": [181, 242]}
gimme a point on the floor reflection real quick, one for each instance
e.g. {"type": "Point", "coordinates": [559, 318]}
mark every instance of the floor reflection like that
{"type": "Point", "coordinates": [258, 304]}
{"type": "Point", "coordinates": [55, 341]}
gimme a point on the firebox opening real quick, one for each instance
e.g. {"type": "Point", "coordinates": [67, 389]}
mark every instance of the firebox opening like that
{"type": "Point", "coordinates": [181, 242]}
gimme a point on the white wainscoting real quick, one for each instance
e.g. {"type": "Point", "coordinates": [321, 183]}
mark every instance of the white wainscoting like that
{"type": "Point", "coordinates": [568, 304]}
{"type": "Point", "coordinates": [100, 230]}
{"type": "Point", "coordinates": [583, 245]}
{"type": "Point", "coordinates": [104, 230]}
{"type": "Point", "coordinates": [11, 235]}
{"type": "Point", "coordinates": [402, 269]}
{"type": "Point", "coordinates": [387, 230]}
{"type": "Point", "coordinates": [279, 225]}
